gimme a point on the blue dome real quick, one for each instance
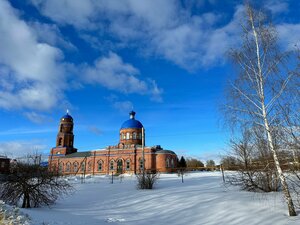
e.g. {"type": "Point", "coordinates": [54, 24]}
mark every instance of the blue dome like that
{"type": "Point", "coordinates": [67, 116]}
{"type": "Point", "coordinates": [132, 123]}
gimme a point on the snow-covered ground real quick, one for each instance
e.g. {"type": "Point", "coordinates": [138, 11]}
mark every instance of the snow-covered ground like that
{"type": "Point", "coordinates": [201, 199]}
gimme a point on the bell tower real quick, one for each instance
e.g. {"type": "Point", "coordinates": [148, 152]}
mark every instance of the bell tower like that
{"type": "Point", "coordinates": [65, 137]}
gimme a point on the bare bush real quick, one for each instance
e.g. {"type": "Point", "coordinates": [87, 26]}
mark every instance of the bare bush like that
{"type": "Point", "coordinates": [147, 179]}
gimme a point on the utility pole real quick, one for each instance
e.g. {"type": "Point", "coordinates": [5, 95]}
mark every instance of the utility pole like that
{"type": "Point", "coordinates": [143, 152]}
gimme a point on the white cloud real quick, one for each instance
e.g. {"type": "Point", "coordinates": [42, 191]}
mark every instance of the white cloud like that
{"type": "Point", "coordinates": [124, 106]}
{"type": "Point", "coordinates": [114, 74]}
{"type": "Point", "coordinates": [15, 149]}
{"type": "Point", "coordinates": [276, 6]}
{"type": "Point", "coordinates": [289, 35]}
{"type": "Point", "coordinates": [163, 28]}
{"type": "Point", "coordinates": [76, 12]}
{"type": "Point", "coordinates": [50, 34]}
{"type": "Point", "coordinates": [95, 130]}
{"type": "Point", "coordinates": [34, 69]}
{"type": "Point", "coordinates": [167, 29]}
{"type": "Point", "coordinates": [36, 117]}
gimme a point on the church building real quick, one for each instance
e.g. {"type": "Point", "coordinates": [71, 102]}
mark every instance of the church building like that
{"type": "Point", "coordinates": [130, 155]}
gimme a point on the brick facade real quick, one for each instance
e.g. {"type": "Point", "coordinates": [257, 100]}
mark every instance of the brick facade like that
{"type": "Point", "coordinates": [126, 157]}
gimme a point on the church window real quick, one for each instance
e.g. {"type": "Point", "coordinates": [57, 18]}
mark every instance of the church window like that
{"type": "Point", "coordinates": [89, 166]}
{"type": "Point", "coordinates": [134, 135]}
{"type": "Point", "coordinates": [124, 136]}
{"type": "Point", "coordinates": [127, 135]}
{"type": "Point", "coordinates": [100, 165]}
{"type": "Point", "coordinates": [172, 163]}
{"type": "Point", "coordinates": [82, 166]}
{"type": "Point", "coordinates": [68, 167]}
{"type": "Point", "coordinates": [60, 167]}
{"type": "Point", "coordinates": [140, 136]}
{"type": "Point", "coordinates": [128, 164]}
{"type": "Point", "coordinates": [75, 167]}
{"type": "Point", "coordinates": [61, 127]}
{"type": "Point", "coordinates": [111, 165]}
{"type": "Point", "coordinates": [167, 163]}
{"type": "Point", "coordinates": [141, 164]}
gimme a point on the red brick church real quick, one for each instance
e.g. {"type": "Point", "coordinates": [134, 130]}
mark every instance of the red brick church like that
{"type": "Point", "coordinates": [125, 157]}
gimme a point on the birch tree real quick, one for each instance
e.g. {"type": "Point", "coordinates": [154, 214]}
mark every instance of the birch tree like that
{"type": "Point", "coordinates": [261, 85]}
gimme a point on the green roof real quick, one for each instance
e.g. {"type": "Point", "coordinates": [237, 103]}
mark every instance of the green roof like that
{"type": "Point", "coordinates": [79, 155]}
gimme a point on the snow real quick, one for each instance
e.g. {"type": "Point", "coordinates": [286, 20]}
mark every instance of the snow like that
{"type": "Point", "coordinates": [201, 199]}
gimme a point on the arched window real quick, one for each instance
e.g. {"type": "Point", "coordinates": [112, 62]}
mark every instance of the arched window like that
{"type": "Point", "coordinates": [100, 165]}
{"type": "Point", "coordinates": [111, 165]}
{"type": "Point", "coordinates": [60, 142]}
{"type": "Point", "coordinates": [60, 129]}
{"type": "Point", "coordinates": [60, 167]}
{"type": "Point", "coordinates": [89, 165]}
{"type": "Point", "coordinates": [83, 166]}
{"type": "Point", "coordinates": [142, 164]}
{"type": "Point", "coordinates": [68, 167]}
{"type": "Point", "coordinates": [133, 135]}
{"type": "Point", "coordinates": [140, 136]}
{"type": "Point", "coordinates": [167, 162]}
{"type": "Point", "coordinates": [172, 163]}
{"type": "Point", "coordinates": [75, 167]}
{"type": "Point", "coordinates": [127, 135]}
{"type": "Point", "coordinates": [128, 164]}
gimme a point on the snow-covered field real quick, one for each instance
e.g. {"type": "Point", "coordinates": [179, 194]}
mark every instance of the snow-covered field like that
{"type": "Point", "coordinates": [201, 199]}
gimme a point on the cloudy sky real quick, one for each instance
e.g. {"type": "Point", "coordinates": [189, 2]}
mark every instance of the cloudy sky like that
{"type": "Point", "coordinates": [101, 59]}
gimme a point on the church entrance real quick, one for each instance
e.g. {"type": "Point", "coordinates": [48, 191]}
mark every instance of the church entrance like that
{"type": "Point", "coordinates": [120, 166]}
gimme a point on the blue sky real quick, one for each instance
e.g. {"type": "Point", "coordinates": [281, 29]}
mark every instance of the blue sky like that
{"type": "Point", "coordinates": [100, 59]}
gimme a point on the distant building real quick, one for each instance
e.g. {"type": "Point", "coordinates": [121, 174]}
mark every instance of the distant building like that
{"type": "Point", "coordinates": [125, 157]}
{"type": "Point", "coordinates": [4, 165]}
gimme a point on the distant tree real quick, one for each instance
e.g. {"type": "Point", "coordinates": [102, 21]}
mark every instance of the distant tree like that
{"type": "Point", "coordinates": [210, 164]}
{"type": "Point", "coordinates": [181, 163]}
{"type": "Point", "coordinates": [33, 185]}
{"type": "Point", "coordinates": [193, 163]}
{"type": "Point", "coordinates": [181, 167]}
{"type": "Point", "coordinates": [229, 163]}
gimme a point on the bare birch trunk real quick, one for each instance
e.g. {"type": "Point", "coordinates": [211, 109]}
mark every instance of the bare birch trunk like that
{"type": "Point", "coordinates": [261, 94]}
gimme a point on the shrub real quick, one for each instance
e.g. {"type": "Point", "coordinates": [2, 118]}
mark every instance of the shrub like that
{"type": "Point", "coordinates": [147, 179]}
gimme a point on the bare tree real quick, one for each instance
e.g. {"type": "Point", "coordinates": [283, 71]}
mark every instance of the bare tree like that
{"type": "Point", "coordinates": [254, 166]}
{"type": "Point", "coordinates": [33, 185]}
{"type": "Point", "coordinates": [210, 164]}
{"type": "Point", "coordinates": [262, 83]}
